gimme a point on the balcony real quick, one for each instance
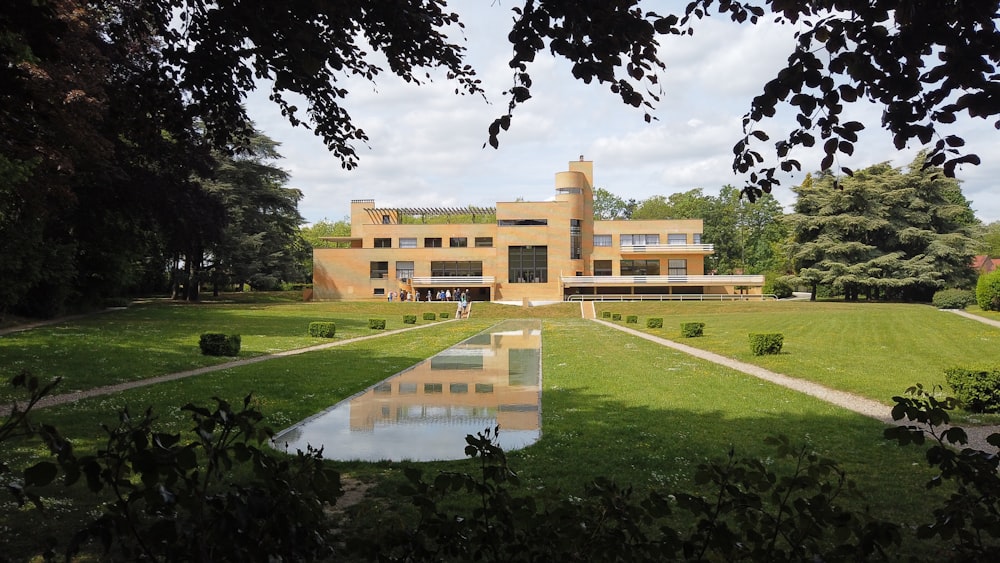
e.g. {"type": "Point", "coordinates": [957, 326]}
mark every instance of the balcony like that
{"type": "Point", "coordinates": [609, 281]}
{"type": "Point", "coordinates": [667, 249]}
{"type": "Point", "coordinates": [461, 281]}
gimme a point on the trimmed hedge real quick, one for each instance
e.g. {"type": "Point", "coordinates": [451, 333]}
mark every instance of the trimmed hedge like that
{"type": "Point", "coordinates": [409, 319]}
{"type": "Point", "coordinates": [766, 343]}
{"type": "Point", "coordinates": [977, 389]}
{"type": "Point", "coordinates": [218, 344]}
{"type": "Point", "coordinates": [616, 316]}
{"type": "Point", "coordinates": [953, 298]}
{"type": "Point", "coordinates": [654, 322]}
{"type": "Point", "coordinates": [691, 330]}
{"type": "Point", "coordinates": [430, 316]}
{"type": "Point", "coordinates": [444, 315]}
{"type": "Point", "coordinates": [376, 324]}
{"type": "Point", "coordinates": [988, 291]}
{"type": "Point", "coordinates": [632, 319]}
{"type": "Point", "coordinates": [605, 314]}
{"type": "Point", "coordinates": [322, 329]}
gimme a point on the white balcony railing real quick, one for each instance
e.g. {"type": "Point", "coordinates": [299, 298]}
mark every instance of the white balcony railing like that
{"type": "Point", "coordinates": [460, 281]}
{"type": "Point", "coordinates": [667, 249]}
{"type": "Point", "coordinates": [595, 281]}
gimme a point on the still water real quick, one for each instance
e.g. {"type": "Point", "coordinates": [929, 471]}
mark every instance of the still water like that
{"type": "Point", "coordinates": [425, 412]}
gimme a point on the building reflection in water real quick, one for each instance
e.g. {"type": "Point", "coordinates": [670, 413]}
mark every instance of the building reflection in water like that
{"type": "Point", "coordinates": [425, 412]}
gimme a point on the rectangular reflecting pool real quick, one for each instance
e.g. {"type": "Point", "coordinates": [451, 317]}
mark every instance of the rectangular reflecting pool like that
{"type": "Point", "coordinates": [425, 412]}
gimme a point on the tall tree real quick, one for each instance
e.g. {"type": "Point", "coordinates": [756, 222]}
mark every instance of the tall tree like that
{"type": "Point", "coordinates": [884, 233]}
{"type": "Point", "coordinates": [608, 206]}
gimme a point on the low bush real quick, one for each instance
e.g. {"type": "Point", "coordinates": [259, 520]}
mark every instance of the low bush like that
{"type": "Point", "coordinates": [322, 329]}
{"type": "Point", "coordinates": [376, 324]}
{"type": "Point", "coordinates": [691, 330]}
{"type": "Point", "coordinates": [430, 316]}
{"type": "Point", "coordinates": [632, 319]}
{"type": "Point", "coordinates": [766, 343]}
{"type": "Point", "coordinates": [977, 389]}
{"type": "Point", "coordinates": [605, 314]}
{"type": "Point", "coordinates": [616, 316]}
{"type": "Point", "coordinates": [218, 344]}
{"type": "Point", "coordinates": [953, 298]}
{"type": "Point", "coordinates": [777, 285]}
{"type": "Point", "coordinates": [988, 291]}
{"type": "Point", "coordinates": [444, 315]}
{"type": "Point", "coordinates": [654, 322]}
{"type": "Point", "coordinates": [409, 319]}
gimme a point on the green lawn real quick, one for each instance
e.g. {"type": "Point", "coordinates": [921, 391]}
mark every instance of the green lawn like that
{"type": "Point", "coordinates": [873, 350]}
{"type": "Point", "coordinates": [613, 404]}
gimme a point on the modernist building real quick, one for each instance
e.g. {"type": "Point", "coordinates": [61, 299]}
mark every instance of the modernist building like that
{"type": "Point", "coordinates": [523, 252]}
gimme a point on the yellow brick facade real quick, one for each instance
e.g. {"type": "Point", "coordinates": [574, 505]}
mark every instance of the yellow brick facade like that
{"type": "Point", "coordinates": [528, 252]}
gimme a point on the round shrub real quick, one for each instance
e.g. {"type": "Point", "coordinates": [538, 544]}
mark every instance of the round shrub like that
{"type": "Point", "coordinates": [977, 389]}
{"type": "Point", "coordinates": [322, 329]}
{"type": "Point", "coordinates": [953, 298]}
{"type": "Point", "coordinates": [376, 324]}
{"type": "Point", "coordinates": [430, 316]}
{"type": "Point", "coordinates": [632, 319]}
{"type": "Point", "coordinates": [988, 291]}
{"type": "Point", "coordinates": [409, 319]}
{"type": "Point", "coordinates": [767, 343]}
{"type": "Point", "coordinates": [777, 286]}
{"type": "Point", "coordinates": [616, 316]}
{"type": "Point", "coordinates": [692, 330]}
{"type": "Point", "coordinates": [654, 322]}
{"type": "Point", "coordinates": [218, 344]}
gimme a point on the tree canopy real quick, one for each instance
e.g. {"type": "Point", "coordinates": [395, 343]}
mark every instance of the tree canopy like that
{"type": "Point", "coordinates": [884, 234]}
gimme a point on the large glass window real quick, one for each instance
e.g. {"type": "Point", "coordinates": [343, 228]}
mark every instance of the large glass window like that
{"type": "Point", "coordinates": [408, 242]}
{"type": "Point", "coordinates": [602, 240]}
{"type": "Point", "coordinates": [575, 240]}
{"type": "Point", "coordinates": [383, 243]}
{"type": "Point", "coordinates": [679, 238]}
{"type": "Point", "coordinates": [677, 267]}
{"type": "Point", "coordinates": [484, 242]}
{"type": "Point", "coordinates": [640, 267]}
{"type": "Point", "coordinates": [458, 242]}
{"type": "Point", "coordinates": [602, 267]}
{"type": "Point", "coordinates": [696, 238]}
{"type": "Point", "coordinates": [432, 242]}
{"type": "Point", "coordinates": [379, 270]}
{"type": "Point", "coordinates": [404, 270]}
{"type": "Point", "coordinates": [450, 268]}
{"type": "Point", "coordinates": [528, 264]}
{"type": "Point", "coordinates": [522, 222]}
{"type": "Point", "coordinates": [639, 240]}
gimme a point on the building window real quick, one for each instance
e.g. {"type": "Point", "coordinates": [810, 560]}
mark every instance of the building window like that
{"type": "Point", "coordinates": [602, 240]}
{"type": "Point", "coordinates": [677, 267]}
{"type": "Point", "coordinates": [602, 267]}
{"type": "Point", "coordinates": [528, 264]}
{"type": "Point", "coordinates": [432, 243]}
{"type": "Point", "coordinates": [640, 267]}
{"type": "Point", "coordinates": [379, 291]}
{"type": "Point", "coordinates": [696, 238]}
{"type": "Point", "coordinates": [385, 219]}
{"type": "Point", "coordinates": [458, 242]}
{"type": "Point", "coordinates": [679, 238]}
{"type": "Point", "coordinates": [522, 222]}
{"type": "Point", "coordinates": [383, 243]}
{"type": "Point", "coordinates": [575, 240]}
{"type": "Point", "coordinates": [456, 268]}
{"type": "Point", "coordinates": [484, 242]}
{"type": "Point", "coordinates": [407, 242]}
{"type": "Point", "coordinates": [379, 270]}
{"type": "Point", "coordinates": [404, 270]}
{"type": "Point", "coordinates": [639, 240]}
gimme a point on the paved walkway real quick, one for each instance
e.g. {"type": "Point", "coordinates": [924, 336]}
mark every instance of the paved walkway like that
{"type": "Point", "coordinates": [861, 405]}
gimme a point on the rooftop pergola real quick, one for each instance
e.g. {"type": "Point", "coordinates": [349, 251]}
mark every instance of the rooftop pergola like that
{"type": "Point", "coordinates": [376, 213]}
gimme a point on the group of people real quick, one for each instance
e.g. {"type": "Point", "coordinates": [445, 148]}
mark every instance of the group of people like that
{"type": "Point", "coordinates": [460, 297]}
{"type": "Point", "coordinates": [403, 296]}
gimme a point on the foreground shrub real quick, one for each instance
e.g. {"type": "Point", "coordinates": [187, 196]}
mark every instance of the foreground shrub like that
{"type": "Point", "coordinates": [766, 343]}
{"type": "Point", "coordinates": [654, 322]}
{"type": "Point", "coordinates": [692, 330]}
{"type": "Point", "coordinates": [322, 329]}
{"type": "Point", "coordinates": [988, 291]}
{"type": "Point", "coordinates": [605, 314]}
{"type": "Point", "coordinates": [376, 324]}
{"type": "Point", "coordinates": [444, 315]}
{"type": "Point", "coordinates": [632, 319]}
{"type": "Point", "coordinates": [977, 390]}
{"type": "Point", "coordinates": [218, 344]}
{"type": "Point", "coordinates": [953, 298]}
{"type": "Point", "coordinates": [616, 316]}
{"type": "Point", "coordinates": [409, 319]}
{"type": "Point", "coordinates": [429, 316]}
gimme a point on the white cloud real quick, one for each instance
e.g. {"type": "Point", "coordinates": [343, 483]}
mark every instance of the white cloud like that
{"type": "Point", "coordinates": [426, 143]}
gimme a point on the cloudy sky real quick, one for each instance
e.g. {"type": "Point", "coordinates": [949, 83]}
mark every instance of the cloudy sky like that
{"type": "Point", "coordinates": [426, 143]}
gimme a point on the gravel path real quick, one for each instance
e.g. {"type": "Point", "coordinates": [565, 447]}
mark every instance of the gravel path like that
{"type": "Point", "coordinates": [861, 405]}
